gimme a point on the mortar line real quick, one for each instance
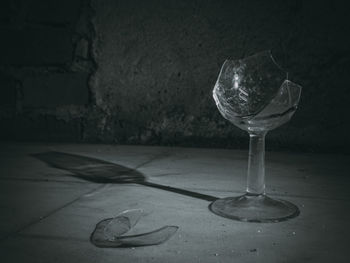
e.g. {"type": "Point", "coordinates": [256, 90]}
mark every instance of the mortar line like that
{"type": "Point", "coordinates": [155, 157]}
{"type": "Point", "coordinates": [52, 237]}
{"type": "Point", "coordinates": [40, 180]}
{"type": "Point", "coordinates": [35, 221]}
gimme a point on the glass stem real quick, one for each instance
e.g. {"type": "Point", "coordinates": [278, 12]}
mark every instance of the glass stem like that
{"type": "Point", "coordinates": [256, 164]}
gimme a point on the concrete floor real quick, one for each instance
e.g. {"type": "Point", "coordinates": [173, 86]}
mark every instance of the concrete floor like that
{"type": "Point", "coordinates": [47, 215]}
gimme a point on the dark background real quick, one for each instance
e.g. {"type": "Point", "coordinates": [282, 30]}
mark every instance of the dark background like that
{"type": "Point", "coordinates": [142, 72]}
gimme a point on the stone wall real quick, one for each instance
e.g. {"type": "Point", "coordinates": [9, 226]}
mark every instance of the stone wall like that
{"type": "Point", "coordinates": [45, 67]}
{"type": "Point", "coordinates": [142, 72]}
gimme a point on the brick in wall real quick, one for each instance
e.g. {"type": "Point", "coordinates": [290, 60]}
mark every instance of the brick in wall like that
{"type": "Point", "coordinates": [55, 89]}
{"type": "Point", "coordinates": [35, 46]}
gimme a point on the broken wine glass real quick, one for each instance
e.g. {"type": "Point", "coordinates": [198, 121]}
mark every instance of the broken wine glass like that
{"type": "Point", "coordinates": [255, 95]}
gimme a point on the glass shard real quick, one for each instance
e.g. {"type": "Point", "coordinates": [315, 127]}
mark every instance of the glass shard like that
{"type": "Point", "coordinates": [154, 237]}
{"type": "Point", "coordinates": [109, 232]}
{"type": "Point", "coordinates": [122, 223]}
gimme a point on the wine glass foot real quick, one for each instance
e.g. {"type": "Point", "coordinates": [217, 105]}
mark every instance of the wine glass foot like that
{"type": "Point", "coordinates": [254, 208]}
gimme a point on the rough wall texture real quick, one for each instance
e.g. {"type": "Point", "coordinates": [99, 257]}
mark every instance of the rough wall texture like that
{"type": "Point", "coordinates": [143, 71]}
{"type": "Point", "coordinates": [45, 67]}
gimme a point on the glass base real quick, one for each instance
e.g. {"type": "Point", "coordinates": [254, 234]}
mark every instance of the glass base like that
{"type": "Point", "coordinates": [254, 208]}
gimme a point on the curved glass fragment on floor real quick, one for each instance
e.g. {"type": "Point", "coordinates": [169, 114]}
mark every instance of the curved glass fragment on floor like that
{"type": "Point", "coordinates": [121, 224]}
{"type": "Point", "coordinates": [109, 232]}
{"type": "Point", "coordinates": [255, 95]}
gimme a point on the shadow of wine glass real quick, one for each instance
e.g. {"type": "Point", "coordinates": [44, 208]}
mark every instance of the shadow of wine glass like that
{"type": "Point", "coordinates": [103, 172]}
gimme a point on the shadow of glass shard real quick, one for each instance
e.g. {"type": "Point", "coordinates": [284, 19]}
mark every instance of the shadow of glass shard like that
{"type": "Point", "coordinates": [109, 232]}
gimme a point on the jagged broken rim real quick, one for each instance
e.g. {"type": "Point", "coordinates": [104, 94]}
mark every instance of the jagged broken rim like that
{"type": "Point", "coordinates": [256, 80]}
